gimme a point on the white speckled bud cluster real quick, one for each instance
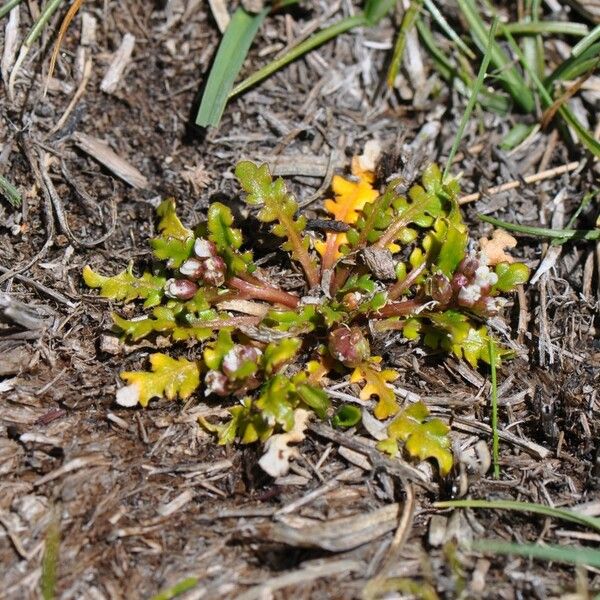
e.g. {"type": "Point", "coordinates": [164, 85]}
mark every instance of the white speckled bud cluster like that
{"type": "Point", "coordinates": [205, 266]}
{"type": "Point", "coordinates": [224, 382]}
{"type": "Point", "coordinates": [469, 287]}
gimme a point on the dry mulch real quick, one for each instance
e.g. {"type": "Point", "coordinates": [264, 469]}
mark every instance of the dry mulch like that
{"type": "Point", "coordinates": [143, 498]}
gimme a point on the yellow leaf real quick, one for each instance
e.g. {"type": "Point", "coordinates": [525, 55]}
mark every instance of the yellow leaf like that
{"type": "Point", "coordinates": [423, 437]}
{"type": "Point", "coordinates": [350, 198]}
{"type": "Point", "coordinates": [170, 377]}
{"type": "Point", "coordinates": [377, 385]}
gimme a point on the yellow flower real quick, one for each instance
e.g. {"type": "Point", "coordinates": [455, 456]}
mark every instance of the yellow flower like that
{"type": "Point", "coordinates": [350, 199]}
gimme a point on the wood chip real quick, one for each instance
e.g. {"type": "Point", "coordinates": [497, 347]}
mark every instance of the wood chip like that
{"type": "Point", "coordinates": [120, 60]}
{"type": "Point", "coordinates": [107, 157]}
{"type": "Point", "coordinates": [337, 535]}
{"type": "Point", "coordinates": [11, 40]}
{"type": "Point", "coordinates": [89, 460]}
{"type": "Point", "coordinates": [301, 576]}
{"type": "Point", "coordinates": [220, 14]}
{"type": "Point", "coordinates": [176, 504]}
{"type": "Point", "coordinates": [380, 262]}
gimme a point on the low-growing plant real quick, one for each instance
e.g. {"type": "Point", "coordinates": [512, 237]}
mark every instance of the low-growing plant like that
{"type": "Point", "coordinates": [397, 261]}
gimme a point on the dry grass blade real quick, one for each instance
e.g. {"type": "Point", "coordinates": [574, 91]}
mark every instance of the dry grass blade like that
{"type": "Point", "coordinates": [73, 9]}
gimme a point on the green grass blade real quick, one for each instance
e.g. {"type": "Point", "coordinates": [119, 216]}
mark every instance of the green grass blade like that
{"type": "Point", "coordinates": [585, 202]}
{"type": "Point", "coordinates": [10, 192]}
{"type": "Point", "coordinates": [231, 54]}
{"type": "Point", "coordinates": [459, 79]}
{"type": "Point", "coordinates": [179, 588]}
{"type": "Point", "coordinates": [559, 234]}
{"type": "Point", "coordinates": [439, 18]}
{"type": "Point", "coordinates": [8, 6]}
{"type": "Point", "coordinates": [509, 76]}
{"type": "Point", "coordinates": [375, 10]}
{"type": "Point", "coordinates": [573, 555]}
{"type": "Point", "coordinates": [516, 135]}
{"type": "Point", "coordinates": [50, 561]}
{"type": "Point", "coordinates": [473, 99]}
{"type": "Point", "coordinates": [49, 9]}
{"type": "Point", "coordinates": [582, 45]}
{"type": "Point", "coordinates": [495, 436]}
{"type": "Point", "coordinates": [575, 66]}
{"type": "Point", "coordinates": [526, 507]}
{"type": "Point", "coordinates": [408, 22]}
{"type": "Point", "coordinates": [585, 137]}
{"type": "Point", "coordinates": [306, 46]}
{"type": "Point", "coordinates": [547, 27]}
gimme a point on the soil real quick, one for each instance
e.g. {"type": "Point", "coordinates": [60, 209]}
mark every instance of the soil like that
{"type": "Point", "coordinates": [144, 499]}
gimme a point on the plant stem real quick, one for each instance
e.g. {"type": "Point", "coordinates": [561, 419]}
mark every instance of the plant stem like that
{"type": "Point", "coordinates": [401, 286]}
{"type": "Point", "coordinates": [473, 99]}
{"type": "Point", "coordinates": [263, 292]}
{"type": "Point", "coordinates": [561, 234]}
{"type": "Point", "coordinates": [397, 309]}
{"type": "Point", "coordinates": [299, 251]}
{"type": "Point", "coordinates": [495, 437]}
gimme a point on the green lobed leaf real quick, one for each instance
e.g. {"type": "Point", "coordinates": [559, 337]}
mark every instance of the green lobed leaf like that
{"type": "Point", "coordinates": [276, 402]}
{"type": "Point", "coordinates": [291, 320]}
{"type": "Point", "coordinates": [314, 397]}
{"type": "Point", "coordinates": [278, 207]}
{"type": "Point", "coordinates": [277, 354]}
{"type": "Point", "coordinates": [359, 283]}
{"type": "Point", "coordinates": [227, 239]}
{"type": "Point", "coordinates": [346, 416]}
{"type": "Point", "coordinates": [510, 275]}
{"type": "Point", "coordinates": [175, 242]}
{"type": "Point", "coordinates": [214, 353]}
{"type": "Point", "coordinates": [125, 286]}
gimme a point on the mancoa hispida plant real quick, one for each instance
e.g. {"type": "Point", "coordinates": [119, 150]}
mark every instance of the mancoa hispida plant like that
{"type": "Point", "coordinates": [392, 261]}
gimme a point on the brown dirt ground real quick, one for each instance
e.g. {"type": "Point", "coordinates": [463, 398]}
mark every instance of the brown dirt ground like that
{"type": "Point", "coordinates": [107, 475]}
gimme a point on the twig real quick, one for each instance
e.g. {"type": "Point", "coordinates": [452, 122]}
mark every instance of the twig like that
{"type": "Point", "coordinates": [49, 217]}
{"type": "Point", "coordinates": [60, 209]}
{"type": "Point", "coordinates": [54, 294]}
{"type": "Point", "coordinates": [400, 537]}
{"type": "Point", "coordinates": [511, 185]}
{"type": "Point", "coordinates": [378, 460]}
{"type": "Point", "coordinates": [87, 73]}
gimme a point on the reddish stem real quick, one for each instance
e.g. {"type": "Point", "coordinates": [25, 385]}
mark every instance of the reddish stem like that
{"type": "Point", "coordinates": [330, 252]}
{"type": "Point", "coordinates": [397, 309]}
{"type": "Point", "coordinates": [261, 291]}
{"type": "Point", "coordinates": [232, 322]}
{"type": "Point", "coordinates": [401, 286]}
{"type": "Point", "coordinates": [299, 251]}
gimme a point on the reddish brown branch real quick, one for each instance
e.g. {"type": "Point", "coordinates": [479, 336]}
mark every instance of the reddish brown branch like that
{"type": "Point", "coordinates": [401, 286]}
{"type": "Point", "coordinates": [262, 291]}
{"type": "Point", "coordinates": [397, 309]}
